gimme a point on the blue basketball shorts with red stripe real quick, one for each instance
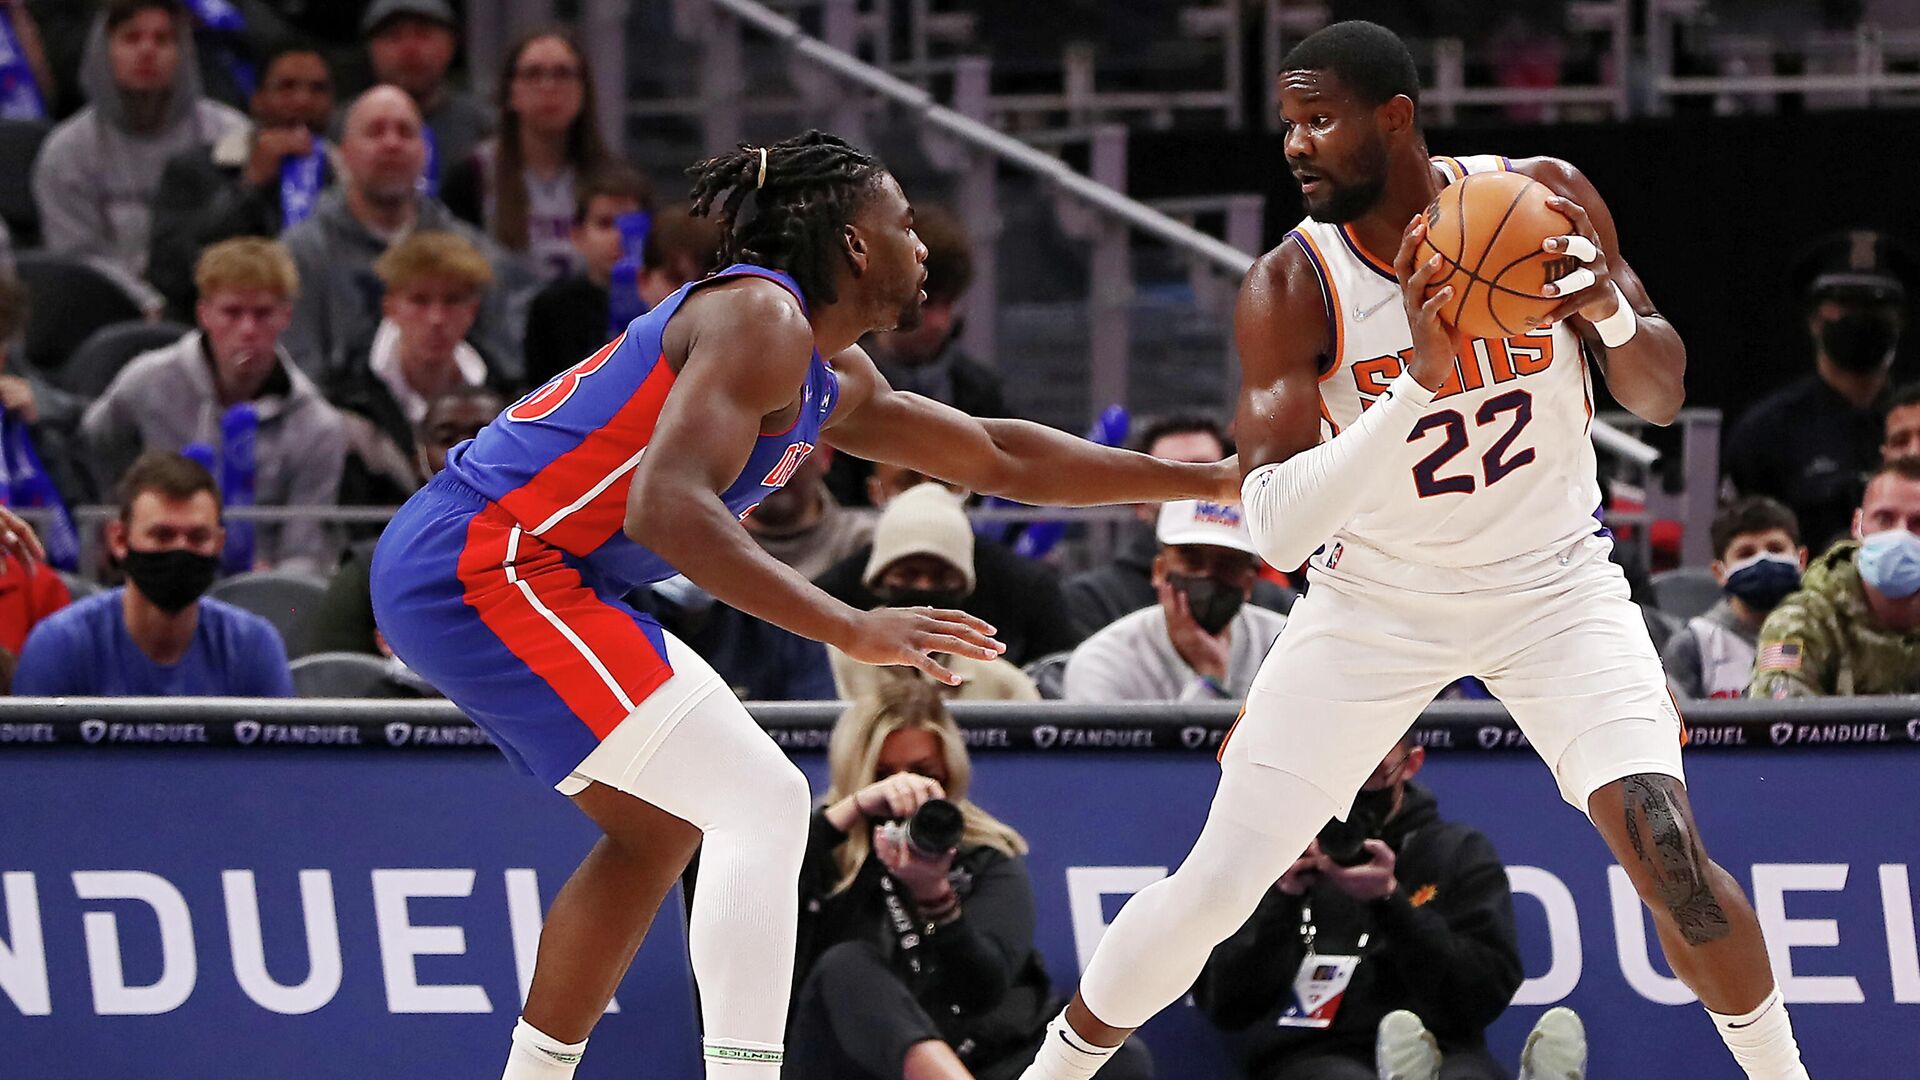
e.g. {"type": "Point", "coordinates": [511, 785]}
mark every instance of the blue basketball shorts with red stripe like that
{"type": "Point", "coordinates": [547, 660]}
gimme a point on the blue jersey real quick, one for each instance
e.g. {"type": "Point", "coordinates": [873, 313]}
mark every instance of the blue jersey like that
{"type": "Point", "coordinates": [558, 461]}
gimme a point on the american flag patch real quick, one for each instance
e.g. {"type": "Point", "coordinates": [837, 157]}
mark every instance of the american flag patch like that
{"type": "Point", "coordinates": [1779, 656]}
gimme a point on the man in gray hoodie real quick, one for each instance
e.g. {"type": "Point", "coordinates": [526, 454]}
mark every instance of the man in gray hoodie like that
{"type": "Point", "coordinates": [177, 395]}
{"type": "Point", "coordinates": [97, 173]}
{"type": "Point", "coordinates": [377, 204]}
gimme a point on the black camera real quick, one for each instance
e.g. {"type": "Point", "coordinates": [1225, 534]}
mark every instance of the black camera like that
{"type": "Point", "coordinates": [1344, 842]}
{"type": "Point", "coordinates": [935, 828]}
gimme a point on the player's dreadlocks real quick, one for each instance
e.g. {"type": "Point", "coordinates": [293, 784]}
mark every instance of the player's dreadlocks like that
{"type": "Point", "coordinates": [804, 191]}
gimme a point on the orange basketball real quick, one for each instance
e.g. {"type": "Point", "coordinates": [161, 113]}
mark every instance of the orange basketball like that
{"type": "Point", "coordinates": [1488, 229]}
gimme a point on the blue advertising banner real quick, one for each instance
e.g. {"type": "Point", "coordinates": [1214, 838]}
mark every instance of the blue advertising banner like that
{"type": "Point", "coordinates": [284, 906]}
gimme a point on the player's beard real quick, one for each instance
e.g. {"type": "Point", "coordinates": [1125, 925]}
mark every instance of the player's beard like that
{"type": "Point", "coordinates": [1351, 199]}
{"type": "Point", "coordinates": [910, 313]}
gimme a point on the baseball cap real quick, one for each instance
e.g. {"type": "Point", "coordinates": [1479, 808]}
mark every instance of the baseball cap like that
{"type": "Point", "coordinates": [925, 519]}
{"type": "Point", "coordinates": [1188, 521]}
{"type": "Point", "coordinates": [382, 10]}
{"type": "Point", "coordinates": [1855, 263]}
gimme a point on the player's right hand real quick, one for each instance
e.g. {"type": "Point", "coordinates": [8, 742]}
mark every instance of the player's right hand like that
{"type": "Point", "coordinates": [912, 635]}
{"type": "Point", "coordinates": [1433, 340]}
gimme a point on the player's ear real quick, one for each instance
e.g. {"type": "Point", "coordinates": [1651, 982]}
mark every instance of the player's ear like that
{"type": "Point", "coordinates": [1398, 114]}
{"type": "Point", "coordinates": [855, 247]}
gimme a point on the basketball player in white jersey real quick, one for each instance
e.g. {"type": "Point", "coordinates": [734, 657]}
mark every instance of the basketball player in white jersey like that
{"type": "Point", "coordinates": [1446, 493]}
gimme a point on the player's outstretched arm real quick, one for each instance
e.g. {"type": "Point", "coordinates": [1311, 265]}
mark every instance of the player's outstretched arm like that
{"type": "Point", "coordinates": [1299, 491]}
{"type": "Point", "coordinates": [1646, 365]}
{"type": "Point", "coordinates": [1015, 459]}
{"type": "Point", "coordinates": [748, 347]}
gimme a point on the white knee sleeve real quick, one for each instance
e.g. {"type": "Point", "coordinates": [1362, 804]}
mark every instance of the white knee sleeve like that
{"type": "Point", "coordinates": [1155, 949]}
{"type": "Point", "coordinates": [721, 773]}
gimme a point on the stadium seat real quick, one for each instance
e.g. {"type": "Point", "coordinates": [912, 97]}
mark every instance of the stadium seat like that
{"type": "Point", "coordinates": [1049, 674]}
{"type": "Point", "coordinates": [339, 675]}
{"type": "Point", "coordinates": [108, 349]}
{"type": "Point", "coordinates": [71, 300]}
{"type": "Point", "coordinates": [1685, 592]}
{"type": "Point", "coordinates": [79, 588]}
{"type": "Point", "coordinates": [19, 145]}
{"type": "Point", "coordinates": [285, 598]}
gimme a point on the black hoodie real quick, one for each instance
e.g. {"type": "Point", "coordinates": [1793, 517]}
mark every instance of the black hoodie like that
{"type": "Point", "coordinates": [1443, 946]}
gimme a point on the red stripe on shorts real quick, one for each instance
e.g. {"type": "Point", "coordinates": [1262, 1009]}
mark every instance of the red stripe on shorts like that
{"type": "Point", "coordinates": [610, 634]}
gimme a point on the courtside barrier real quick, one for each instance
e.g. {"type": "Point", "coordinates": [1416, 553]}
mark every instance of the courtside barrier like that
{"type": "Point", "coordinates": [316, 889]}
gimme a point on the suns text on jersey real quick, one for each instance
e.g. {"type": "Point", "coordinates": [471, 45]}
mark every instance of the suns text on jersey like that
{"type": "Point", "coordinates": [1483, 362]}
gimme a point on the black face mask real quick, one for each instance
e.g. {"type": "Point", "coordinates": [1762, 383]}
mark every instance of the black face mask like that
{"type": "Point", "coordinates": [1860, 342]}
{"type": "Point", "coordinates": [1213, 604]}
{"type": "Point", "coordinates": [171, 579]}
{"type": "Point", "coordinates": [934, 598]}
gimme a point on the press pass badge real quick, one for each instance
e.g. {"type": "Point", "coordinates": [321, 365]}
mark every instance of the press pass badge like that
{"type": "Point", "coordinates": [1318, 990]}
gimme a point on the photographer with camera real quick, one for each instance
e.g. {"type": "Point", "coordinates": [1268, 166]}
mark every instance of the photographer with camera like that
{"type": "Point", "coordinates": [916, 958]}
{"type": "Point", "coordinates": [1384, 951]}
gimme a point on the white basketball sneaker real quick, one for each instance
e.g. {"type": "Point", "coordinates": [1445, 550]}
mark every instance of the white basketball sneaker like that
{"type": "Point", "coordinates": [1405, 1050]}
{"type": "Point", "coordinates": [1556, 1048]}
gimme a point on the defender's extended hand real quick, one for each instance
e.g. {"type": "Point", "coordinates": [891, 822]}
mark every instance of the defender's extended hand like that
{"type": "Point", "coordinates": [911, 636]}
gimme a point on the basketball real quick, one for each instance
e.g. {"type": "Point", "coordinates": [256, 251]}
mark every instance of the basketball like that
{"type": "Point", "coordinates": [1488, 229]}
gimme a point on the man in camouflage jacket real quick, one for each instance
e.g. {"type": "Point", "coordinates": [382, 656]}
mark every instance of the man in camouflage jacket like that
{"type": "Point", "coordinates": [1840, 634]}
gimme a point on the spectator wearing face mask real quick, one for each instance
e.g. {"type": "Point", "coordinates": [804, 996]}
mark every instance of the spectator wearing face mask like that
{"type": "Point", "coordinates": [1098, 597]}
{"type": "Point", "coordinates": [1809, 443]}
{"type": "Point", "coordinates": [922, 556]}
{"type": "Point", "coordinates": [1902, 437]}
{"type": "Point", "coordinates": [1758, 559]}
{"type": "Point", "coordinates": [157, 635]}
{"type": "Point", "coordinates": [1202, 641]}
{"type": "Point", "coordinates": [1854, 625]}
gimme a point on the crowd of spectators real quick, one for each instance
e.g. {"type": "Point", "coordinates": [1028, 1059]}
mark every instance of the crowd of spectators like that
{"type": "Point", "coordinates": [370, 262]}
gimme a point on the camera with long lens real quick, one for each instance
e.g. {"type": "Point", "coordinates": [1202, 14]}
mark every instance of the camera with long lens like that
{"type": "Point", "coordinates": [1344, 842]}
{"type": "Point", "coordinates": [935, 828]}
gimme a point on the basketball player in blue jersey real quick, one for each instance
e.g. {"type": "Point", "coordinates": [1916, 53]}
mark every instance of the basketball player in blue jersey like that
{"type": "Point", "coordinates": [500, 582]}
{"type": "Point", "coordinates": [1445, 491]}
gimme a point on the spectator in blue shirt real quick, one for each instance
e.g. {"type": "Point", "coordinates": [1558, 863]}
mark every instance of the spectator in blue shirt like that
{"type": "Point", "coordinates": [156, 635]}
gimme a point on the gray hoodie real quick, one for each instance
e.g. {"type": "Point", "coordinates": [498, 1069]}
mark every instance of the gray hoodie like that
{"type": "Point", "coordinates": [166, 398]}
{"type": "Point", "coordinates": [95, 179]}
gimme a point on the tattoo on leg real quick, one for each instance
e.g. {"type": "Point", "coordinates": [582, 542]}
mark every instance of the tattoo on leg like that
{"type": "Point", "coordinates": [1662, 838]}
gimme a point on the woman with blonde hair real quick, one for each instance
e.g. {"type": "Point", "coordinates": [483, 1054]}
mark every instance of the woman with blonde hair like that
{"type": "Point", "coordinates": [914, 964]}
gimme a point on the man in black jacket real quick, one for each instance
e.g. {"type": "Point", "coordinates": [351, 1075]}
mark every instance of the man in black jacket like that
{"type": "Point", "coordinates": [255, 182]}
{"type": "Point", "coordinates": [1422, 922]}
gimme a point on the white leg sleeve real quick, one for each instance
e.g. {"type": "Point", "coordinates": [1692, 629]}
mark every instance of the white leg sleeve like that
{"type": "Point", "coordinates": [720, 772]}
{"type": "Point", "coordinates": [1155, 949]}
{"type": "Point", "coordinates": [1293, 506]}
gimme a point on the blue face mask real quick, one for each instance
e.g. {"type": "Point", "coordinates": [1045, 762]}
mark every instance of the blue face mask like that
{"type": "Point", "coordinates": [1890, 562]}
{"type": "Point", "coordinates": [1764, 580]}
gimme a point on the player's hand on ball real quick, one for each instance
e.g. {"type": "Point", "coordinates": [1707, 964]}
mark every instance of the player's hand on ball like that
{"type": "Point", "coordinates": [1434, 350]}
{"type": "Point", "coordinates": [1589, 288]}
{"type": "Point", "coordinates": [911, 636]}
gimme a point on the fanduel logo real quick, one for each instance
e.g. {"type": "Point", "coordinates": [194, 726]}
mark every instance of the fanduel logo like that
{"type": "Point", "coordinates": [1045, 736]}
{"type": "Point", "coordinates": [247, 732]}
{"type": "Point", "coordinates": [399, 732]}
{"type": "Point", "coordinates": [93, 730]}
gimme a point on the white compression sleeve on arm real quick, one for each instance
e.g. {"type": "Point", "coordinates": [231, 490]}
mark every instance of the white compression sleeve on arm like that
{"type": "Point", "coordinates": [1293, 506]}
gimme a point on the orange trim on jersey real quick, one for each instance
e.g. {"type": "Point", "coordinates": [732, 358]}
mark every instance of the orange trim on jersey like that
{"type": "Point", "coordinates": [1327, 416]}
{"type": "Point", "coordinates": [569, 477]}
{"type": "Point", "coordinates": [509, 604]}
{"type": "Point", "coordinates": [1331, 294]}
{"type": "Point", "coordinates": [1221, 754]}
{"type": "Point", "coordinates": [1685, 738]}
{"type": "Point", "coordinates": [1360, 252]}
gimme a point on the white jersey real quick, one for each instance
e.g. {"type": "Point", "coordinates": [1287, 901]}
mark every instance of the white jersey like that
{"type": "Point", "coordinates": [1502, 462]}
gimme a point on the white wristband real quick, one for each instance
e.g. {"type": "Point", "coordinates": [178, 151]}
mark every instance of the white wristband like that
{"type": "Point", "coordinates": [1618, 328]}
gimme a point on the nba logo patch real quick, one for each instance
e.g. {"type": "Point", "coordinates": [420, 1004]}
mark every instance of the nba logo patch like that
{"type": "Point", "coordinates": [1333, 555]}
